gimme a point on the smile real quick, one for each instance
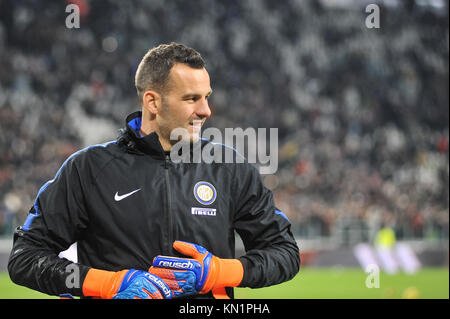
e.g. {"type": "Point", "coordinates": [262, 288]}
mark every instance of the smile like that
{"type": "Point", "coordinates": [196, 125]}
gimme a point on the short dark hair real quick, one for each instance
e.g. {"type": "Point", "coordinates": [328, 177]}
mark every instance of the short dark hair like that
{"type": "Point", "coordinates": [154, 69]}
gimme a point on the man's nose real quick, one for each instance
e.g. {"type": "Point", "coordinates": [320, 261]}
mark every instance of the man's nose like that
{"type": "Point", "coordinates": [203, 109]}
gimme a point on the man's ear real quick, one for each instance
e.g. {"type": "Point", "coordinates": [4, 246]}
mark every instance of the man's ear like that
{"type": "Point", "coordinates": [152, 102]}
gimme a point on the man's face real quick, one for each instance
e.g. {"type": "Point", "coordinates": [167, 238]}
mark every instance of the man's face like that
{"type": "Point", "coordinates": [185, 105]}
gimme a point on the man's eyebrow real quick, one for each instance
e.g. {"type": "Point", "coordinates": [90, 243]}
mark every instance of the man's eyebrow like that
{"type": "Point", "coordinates": [196, 94]}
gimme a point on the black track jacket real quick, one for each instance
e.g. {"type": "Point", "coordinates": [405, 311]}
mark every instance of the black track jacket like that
{"type": "Point", "coordinates": [125, 202]}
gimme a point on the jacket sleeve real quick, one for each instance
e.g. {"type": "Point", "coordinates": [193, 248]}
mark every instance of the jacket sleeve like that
{"type": "Point", "coordinates": [55, 221]}
{"type": "Point", "coordinates": [272, 255]}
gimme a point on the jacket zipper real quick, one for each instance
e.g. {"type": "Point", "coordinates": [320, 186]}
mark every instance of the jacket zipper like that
{"type": "Point", "coordinates": [169, 207]}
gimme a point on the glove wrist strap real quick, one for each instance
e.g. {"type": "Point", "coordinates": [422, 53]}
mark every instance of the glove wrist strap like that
{"type": "Point", "coordinates": [223, 273]}
{"type": "Point", "coordinates": [102, 283]}
{"type": "Point", "coordinates": [231, 273]}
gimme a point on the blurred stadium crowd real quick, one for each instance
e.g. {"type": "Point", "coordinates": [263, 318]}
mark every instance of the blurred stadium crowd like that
{"type": "Point", "coordinates": [362, 113]}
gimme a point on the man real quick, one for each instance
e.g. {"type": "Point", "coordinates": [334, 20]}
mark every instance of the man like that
{"type": "Point", "coordinates": [125, 203]}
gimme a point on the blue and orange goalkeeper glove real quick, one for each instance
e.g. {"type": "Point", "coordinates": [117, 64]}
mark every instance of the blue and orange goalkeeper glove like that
{"type": "Point", "coordinates": [212, 273]}
{"type": "Point", "coordinates": [125, 284]}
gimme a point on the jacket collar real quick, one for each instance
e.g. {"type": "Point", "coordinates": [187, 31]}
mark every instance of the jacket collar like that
{"type": "Point", "coordinates": [148, 144]}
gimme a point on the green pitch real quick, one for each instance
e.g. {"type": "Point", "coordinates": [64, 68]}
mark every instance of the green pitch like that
{"type": "Point", "coordinates": [350, 283]}
{"type": "Point", "coordinates": [321, 283]}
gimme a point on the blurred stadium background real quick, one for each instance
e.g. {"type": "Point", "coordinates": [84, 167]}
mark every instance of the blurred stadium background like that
{"type": "Point", "coordinates": [362, 116]}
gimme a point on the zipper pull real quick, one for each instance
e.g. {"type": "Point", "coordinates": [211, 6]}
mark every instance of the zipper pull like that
{"type": "Point", "coordinates": [166, 162]}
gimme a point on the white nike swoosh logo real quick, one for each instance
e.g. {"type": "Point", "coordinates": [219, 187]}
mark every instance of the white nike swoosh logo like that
{"type": "Point", "coordinates": [118, 197]}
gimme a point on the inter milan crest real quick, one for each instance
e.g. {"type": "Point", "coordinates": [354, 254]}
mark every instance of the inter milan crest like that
{"type": "Point", "coordinates": [205, 193]}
